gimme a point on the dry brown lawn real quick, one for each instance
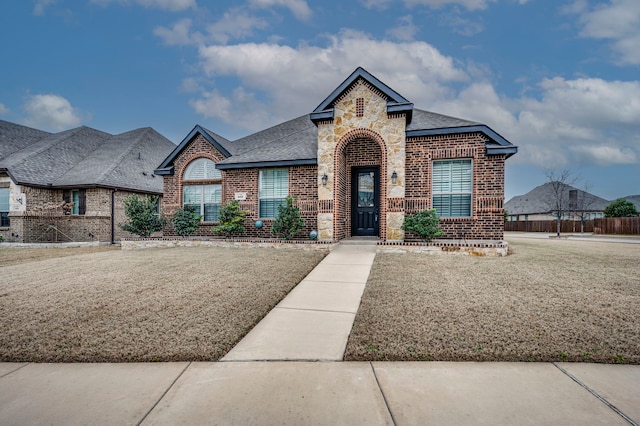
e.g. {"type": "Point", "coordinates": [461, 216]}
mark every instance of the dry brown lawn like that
{"type": "Point", "coordinates": [142, 305]}
{"type": "Point", "coordinates": [15, 256]}
{"type": "Point", "coordinates": [550, 300]}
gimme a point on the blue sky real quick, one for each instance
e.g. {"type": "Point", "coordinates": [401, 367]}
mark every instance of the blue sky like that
{"type": "Point", "coordinates": [560, 79]}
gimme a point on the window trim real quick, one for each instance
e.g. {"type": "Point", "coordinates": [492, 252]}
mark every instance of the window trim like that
{"type": "Point", "coordinates": [280, 198]}
{"type": "Point", "coordinates": [202, 184]}
{"type": "Point", "coordinates": [451, 193]}
{"type": "Point", "coordinates": [202, 202]}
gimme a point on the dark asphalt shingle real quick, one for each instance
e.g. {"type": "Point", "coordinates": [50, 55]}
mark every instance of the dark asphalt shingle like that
{"type": "Point", "coordinates": [86, 157]}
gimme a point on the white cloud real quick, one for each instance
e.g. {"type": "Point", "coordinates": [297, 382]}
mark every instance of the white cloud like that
{"type": "Point", "coordinates": [618, 21]}
{"type": "Point", "coordinates": [299, 8]}
{"type": "Point", "coordinates": [3, 109]}
{"type": "Point", "coordinates": [51, 112]}
{"type": "Point", "coordinates": [38, 8]}
{"type": "Point", "coordinates": [605, 155]}
{"type": "Point", "coordinates": [556, 123]}
{"type": "Point", "coordinates": [434, 4]}
{"type": "Point", "coordinates": [288, 80]}
{"type": "Point", "coordinates": [178, 34]}
{"type": "Point", "coordinates": [172, 5]}
{"type": "Point", "coordinates": [405, 30]}
{"type": "Point", "coordinates": [235, 24]}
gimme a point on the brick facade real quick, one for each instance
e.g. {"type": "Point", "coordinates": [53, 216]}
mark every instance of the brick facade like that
{"type": "Point", "coordinates": [44, 219]}
{"type": "Point", "coordinates": [363, 133]}
{"type": "Point", "coordinates": [487, 217]}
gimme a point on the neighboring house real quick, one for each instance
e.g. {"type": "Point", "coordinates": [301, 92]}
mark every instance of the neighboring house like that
{"type": "Point", "coordinates": [537, 204]}
{"type": "Point", "coordinates": [70, 186]}
{"type": "Point", "coordinates": [356, 165]}
{"type": "Point", "coordinates": [635, 199]}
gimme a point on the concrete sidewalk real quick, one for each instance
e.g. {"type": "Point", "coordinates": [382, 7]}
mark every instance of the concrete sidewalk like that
{"type": "Point", "coordinates": [314, 321]}
{"type": "Point", "coordinates": [319, 393]}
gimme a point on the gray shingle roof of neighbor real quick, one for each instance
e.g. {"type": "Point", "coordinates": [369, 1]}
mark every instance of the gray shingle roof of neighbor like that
{"type": "Point", "coordinates": [86, 157]}
{"type": "Point", "coordinates": [14, 137]}
{"type": "Point", "coordinates": [539, 198]}
{"type": "Point", "coordinates": [635, 199]}
{"type": "Point", "coordinates": [296, 141]}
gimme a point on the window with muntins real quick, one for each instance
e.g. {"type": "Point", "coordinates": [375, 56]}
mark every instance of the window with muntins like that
{"type": "Point", "coordinates": [4, 207]}
{"type": "Point", "coordinates": [273, 191]}
{"type": "Point", "coordinates": [205, 198]}
{"type": "Point", "coordinates": [451, 187]}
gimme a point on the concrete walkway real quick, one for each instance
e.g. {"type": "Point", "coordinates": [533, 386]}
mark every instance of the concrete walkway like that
{"type": "Point", "coordinates": [319, 393]}
{"type": "Point", "coordinates": [314, 321]}
{"type": "Point", "coordinates": [256, 386]}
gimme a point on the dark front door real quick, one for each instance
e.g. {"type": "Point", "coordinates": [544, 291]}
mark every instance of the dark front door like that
{"type": "Point", "coordinates": [365, 201]}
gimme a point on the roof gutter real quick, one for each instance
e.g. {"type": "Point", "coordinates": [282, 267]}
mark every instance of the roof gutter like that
{"type": "Point", "coordinates": [279, 163]}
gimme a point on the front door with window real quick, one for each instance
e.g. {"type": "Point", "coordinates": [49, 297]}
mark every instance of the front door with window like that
{"type": "Point", "coordinates": [365, 201]}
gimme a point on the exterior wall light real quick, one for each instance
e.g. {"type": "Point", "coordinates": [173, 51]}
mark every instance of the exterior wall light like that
{"type": "Point", "coordinates": [394, 177]}
{"type": "Point", "coordinates": [325, 178]}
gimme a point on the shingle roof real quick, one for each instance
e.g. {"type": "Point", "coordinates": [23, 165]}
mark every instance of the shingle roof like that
{"type": "Point", "coordinates": [635, 199]}
{"type": "Point", "coordinates": [431, 120]}
{"type": "Point", "coordinates": [124, 161]}
{"type": "Point", "coordinates": [293, 140]}
{"type": "Point", "coordinates": [86, 157]}
{"type": "Point", "coordinates": [14, 137]}
{"type": "Point", "coordinates": [539, 199]}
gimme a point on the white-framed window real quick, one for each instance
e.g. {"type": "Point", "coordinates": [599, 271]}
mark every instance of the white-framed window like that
{"type": "Point", "coordinates": [4, 207]}
{"type": "Point", "coordinates": [273, 191]}
{"type": "Point", "coordinates": [205, 197]}
{"type": "Point", "coordinates": [202, 169]}
{"type": "Point", "coordinates": [452, 183]}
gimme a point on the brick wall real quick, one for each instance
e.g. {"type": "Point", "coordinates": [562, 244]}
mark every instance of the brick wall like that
{"type": "Point", "coordinates": [44, 219]}
{"type": "Point", "coordinates": [302, 186]}
{"type": "Point", "coordinates": [487, 220]}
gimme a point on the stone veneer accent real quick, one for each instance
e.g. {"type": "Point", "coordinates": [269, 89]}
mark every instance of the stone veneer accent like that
{"type": "Point", "coordinates": [362, 133]}
{"type": "Point", "coordinates": [374, 129]}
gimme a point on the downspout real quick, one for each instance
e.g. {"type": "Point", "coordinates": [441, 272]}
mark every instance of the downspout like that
{"type": "Point", "coordinates": [113, 216]}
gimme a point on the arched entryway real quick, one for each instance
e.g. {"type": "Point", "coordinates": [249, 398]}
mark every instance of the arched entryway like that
{"type": "Point", "coordinates": [360, 185]}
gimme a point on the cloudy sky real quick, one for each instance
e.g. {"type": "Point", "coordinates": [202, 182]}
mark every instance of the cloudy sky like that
{"type": "Point", "coordinates": [560, 79]}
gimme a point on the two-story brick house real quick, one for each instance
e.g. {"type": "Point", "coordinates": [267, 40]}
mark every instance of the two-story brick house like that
{"type": "Point", "coordinates": [356, 165]}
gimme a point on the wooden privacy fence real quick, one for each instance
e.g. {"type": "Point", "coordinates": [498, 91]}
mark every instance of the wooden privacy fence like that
{"type": "Point", "coordinates": [611, 225]}
{"type": "Point", "coordinates": [549, 226]}
{"type": "Point", "coordinates": [617, 225]}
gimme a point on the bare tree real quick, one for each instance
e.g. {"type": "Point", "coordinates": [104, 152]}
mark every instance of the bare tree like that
{"type": "Point", "coordinates": [560, 182]}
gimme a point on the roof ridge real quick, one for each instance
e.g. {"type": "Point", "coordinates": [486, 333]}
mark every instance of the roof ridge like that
{"type": "Point", "coordinates": [46, 146]}
{"type": "Point", "coordinates": [145, 130]}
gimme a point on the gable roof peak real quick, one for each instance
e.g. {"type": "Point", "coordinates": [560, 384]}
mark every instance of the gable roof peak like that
{"type": "Point", "coordinates": [396, 103]}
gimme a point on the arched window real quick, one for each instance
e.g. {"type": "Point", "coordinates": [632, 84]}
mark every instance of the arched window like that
{"type": "Point", "coordinates": [202, 169]}
{"type": "Point", "coordinates": [204, 197]}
